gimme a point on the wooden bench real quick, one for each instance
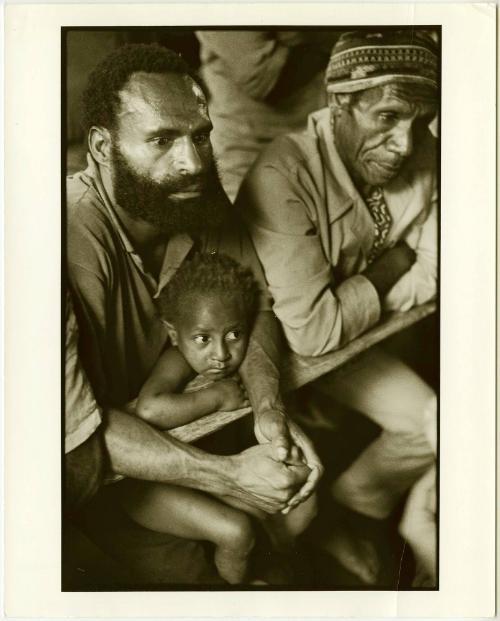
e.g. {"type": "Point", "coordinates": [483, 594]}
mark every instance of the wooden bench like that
{"type": "Point", "coordinates": [300, 370]}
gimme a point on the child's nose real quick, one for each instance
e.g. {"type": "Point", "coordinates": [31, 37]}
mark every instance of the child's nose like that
{"type": "Point", "coordinates": [220, 352]}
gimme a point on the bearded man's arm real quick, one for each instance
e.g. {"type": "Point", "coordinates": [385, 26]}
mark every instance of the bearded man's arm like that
{"type": "Point", "coordinates": [260, 373]}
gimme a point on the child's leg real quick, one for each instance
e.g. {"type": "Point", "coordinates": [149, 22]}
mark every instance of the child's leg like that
{"type": "Point", "coordinates": [284, 529]}
{"type": "Point", "coordinates": [187, 513]}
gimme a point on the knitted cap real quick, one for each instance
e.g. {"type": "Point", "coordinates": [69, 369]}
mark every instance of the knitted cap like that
{"type": "Point", "coordinates": [364, 59]}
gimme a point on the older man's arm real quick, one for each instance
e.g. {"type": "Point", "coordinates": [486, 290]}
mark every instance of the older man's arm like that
{"type": "Point", "coordinates": [419, 284]}
{"type": "Point", "coordinates": [318, 313]}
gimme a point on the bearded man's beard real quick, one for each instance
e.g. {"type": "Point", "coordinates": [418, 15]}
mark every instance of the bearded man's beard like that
{"type": "Point", "coordinates": [149, 201]}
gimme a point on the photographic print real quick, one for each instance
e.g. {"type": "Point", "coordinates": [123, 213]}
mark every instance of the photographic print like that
{"type": "Point", "coordinates": [250, 291]}
{"type": "Point", "coordinates": [251, 295]}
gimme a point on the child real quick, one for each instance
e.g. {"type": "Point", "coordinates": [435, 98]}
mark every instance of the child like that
{"type": "Point", "coordinates": [208, 307]}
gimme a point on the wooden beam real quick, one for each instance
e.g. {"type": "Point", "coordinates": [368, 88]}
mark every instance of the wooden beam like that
{"type": "Point", "coordinates": [300, 370]}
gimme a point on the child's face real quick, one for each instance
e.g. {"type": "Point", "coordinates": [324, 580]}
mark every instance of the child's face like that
{"type": "Point", "coordinates": [212, 336]}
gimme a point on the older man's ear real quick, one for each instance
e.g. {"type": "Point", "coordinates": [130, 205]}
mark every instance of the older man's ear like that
{"type": "Point", "coordinates": [338, 102]}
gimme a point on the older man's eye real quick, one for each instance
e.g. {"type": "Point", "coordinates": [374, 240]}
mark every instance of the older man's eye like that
{"type": "Point", "coordinates": [387, 117]}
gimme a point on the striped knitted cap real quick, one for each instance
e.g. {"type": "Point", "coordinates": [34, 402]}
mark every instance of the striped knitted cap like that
{"type": "Point", "coordinates": [364, 59]}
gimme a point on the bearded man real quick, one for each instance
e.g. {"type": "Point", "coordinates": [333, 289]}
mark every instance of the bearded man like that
{"type": "Point", "coordinates": [149, 198]}
{"type": "Point", "coordinates": [344, 220]}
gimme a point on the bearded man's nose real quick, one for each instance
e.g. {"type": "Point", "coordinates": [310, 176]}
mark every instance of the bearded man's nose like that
{"type": "Point", "coordinates": [187, 158]}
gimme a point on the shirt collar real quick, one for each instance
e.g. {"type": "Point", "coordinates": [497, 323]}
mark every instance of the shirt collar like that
{"type": "Point", "coordinates": [398, 191]}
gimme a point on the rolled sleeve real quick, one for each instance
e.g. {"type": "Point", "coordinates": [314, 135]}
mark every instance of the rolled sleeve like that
{"type": "Point", "coordinates": [82, 414]}
{"type": "Point", "coordinates": [360, 305]}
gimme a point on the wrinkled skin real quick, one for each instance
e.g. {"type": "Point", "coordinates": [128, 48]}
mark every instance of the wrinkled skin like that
{"type": "Point", "coordinates": [376, 134]}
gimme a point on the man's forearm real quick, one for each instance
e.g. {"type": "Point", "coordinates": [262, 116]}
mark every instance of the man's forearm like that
{"type": "Point", "coordinates": [261, 369]}
{"type": "Point", "coordinates": [139, 451]}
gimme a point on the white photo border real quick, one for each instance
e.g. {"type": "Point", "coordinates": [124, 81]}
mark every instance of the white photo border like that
{"type": "Point", "coordinates": [33, 321]}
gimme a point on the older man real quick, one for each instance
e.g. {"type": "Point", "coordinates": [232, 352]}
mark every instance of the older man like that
{"type": "Point", "coordinates": [344, 220]}
{"type": "Point", "coordinates": [149, 198]}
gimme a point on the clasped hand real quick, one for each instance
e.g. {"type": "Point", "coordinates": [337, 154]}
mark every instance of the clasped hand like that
{"type": "Point", "coordinates": [290, 446]}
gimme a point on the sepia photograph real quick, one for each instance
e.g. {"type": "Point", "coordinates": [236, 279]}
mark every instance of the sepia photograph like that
{"type": "Point", "coordinates": [250, 293]}
{"type": "Point", "coordinates": [250, 302]}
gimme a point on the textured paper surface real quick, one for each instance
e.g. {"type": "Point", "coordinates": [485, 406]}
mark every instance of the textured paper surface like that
{"type": "Point", "coordinates": [32, 334]}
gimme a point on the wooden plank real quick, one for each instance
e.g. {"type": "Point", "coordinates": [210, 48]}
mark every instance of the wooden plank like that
{"type": "Point", "coordinates": [206, 425]}
{"type": "Point", "coordinates": [300, 370]}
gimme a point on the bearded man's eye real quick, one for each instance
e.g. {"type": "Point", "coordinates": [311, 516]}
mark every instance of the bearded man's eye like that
{"type": "Point", "coordinates": [161, 141]}
{"type": "Point", "coordinates": [201, 138]}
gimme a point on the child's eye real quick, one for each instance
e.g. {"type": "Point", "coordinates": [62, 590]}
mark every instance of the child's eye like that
{"type": "Point", "coordinates": [201, 339]}
{"type": "Point", "coordinates": [234, 335]}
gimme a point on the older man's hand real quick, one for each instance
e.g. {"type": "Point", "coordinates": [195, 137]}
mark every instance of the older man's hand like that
{"type": "Point", "coordinates": [389, 267]}
{"type": "Point", "coordinates": [263, 482]}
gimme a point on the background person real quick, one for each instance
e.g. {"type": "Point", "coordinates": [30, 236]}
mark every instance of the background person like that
{"type": "Point", "coordinates": [256, 92]}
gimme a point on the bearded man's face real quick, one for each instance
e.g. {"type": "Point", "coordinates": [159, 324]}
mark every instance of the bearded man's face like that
{"type": "Point", "coordinates": [163, 170]}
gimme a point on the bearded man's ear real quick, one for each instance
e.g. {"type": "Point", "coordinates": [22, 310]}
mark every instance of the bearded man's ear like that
{"type": "Point", "coordinates": [99, 142]}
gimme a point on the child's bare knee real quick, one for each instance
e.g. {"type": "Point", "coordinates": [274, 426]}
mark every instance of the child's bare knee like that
{"type": "Point", "coordinates": [239, 534]}
{"type": "Point", "coordinates": [301, 517]}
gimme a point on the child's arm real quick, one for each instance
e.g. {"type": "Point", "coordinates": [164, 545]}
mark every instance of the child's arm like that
{"type": "Point", "coordinates": [160, 404]}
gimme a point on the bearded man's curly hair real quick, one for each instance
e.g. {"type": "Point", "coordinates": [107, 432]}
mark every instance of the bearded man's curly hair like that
{"type": "Point", "coordinates": [208, 275]}
{"type": "Point", "coordinates": [100, 99]}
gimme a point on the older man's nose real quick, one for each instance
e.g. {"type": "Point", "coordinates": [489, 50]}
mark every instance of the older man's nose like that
{"type": "Point", "coordinates": [401, 140]}
{"type": "Point", "coordinates": [187, 157]}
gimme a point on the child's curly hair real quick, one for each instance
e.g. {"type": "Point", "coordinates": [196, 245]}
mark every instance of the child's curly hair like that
{"type": "Point", "coordinates": [208, 274]}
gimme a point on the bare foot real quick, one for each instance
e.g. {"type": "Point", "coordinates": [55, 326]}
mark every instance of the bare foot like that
{"type": "Point", "coordinates": [358, 555]}
{"type": "Point", "coordinates": [231, 566]}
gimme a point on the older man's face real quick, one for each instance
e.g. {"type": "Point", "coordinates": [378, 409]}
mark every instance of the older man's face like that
{"type": "Point", "coordinates": [163, 170]}
{"type": "Point", "coordinates": [376, 134]}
